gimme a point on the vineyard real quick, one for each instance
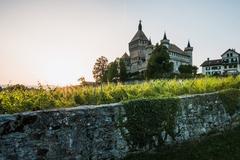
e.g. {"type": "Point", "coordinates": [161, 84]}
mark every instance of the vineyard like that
{"type": "Point", "coordinates": [24, 99]}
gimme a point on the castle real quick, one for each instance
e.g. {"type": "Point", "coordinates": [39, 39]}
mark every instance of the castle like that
{"type": "Point", "coordinates": [141, 48]}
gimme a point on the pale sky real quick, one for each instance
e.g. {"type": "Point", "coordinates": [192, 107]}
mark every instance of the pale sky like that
{"type": "Point", "coordinates": [58, 41]}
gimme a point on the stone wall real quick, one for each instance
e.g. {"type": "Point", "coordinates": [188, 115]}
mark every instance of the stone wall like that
{"type": "Point", "coordinates": [98, 132]}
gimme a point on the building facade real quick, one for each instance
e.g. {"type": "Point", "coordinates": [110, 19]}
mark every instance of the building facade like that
{"type": "Point", "coordinates": [228, 64]}
{"type": "Point", "coordinates": [141, 48]}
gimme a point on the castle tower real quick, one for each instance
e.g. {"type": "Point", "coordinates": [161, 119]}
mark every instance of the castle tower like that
{"type": "Point", "coordinates": [149, 49]}
{"type": "Point", "coordinates": [165, 41]}
{"type": "Point", "coordinates": [188, 50]}
{"type": "Point", "coordinates": [137, 48]}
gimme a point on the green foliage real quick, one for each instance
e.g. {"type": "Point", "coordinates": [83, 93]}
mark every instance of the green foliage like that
{"type": "Point", "coordinates": [25, 99]}
{"type": "Point", "coordinates": [99, 68]}
{"type": "Point", "coordinates": [188, 69]}
{"type": "Point", "coordinates": [16, 87]}
{"type": "Point", "coordinates": [146, 118]}
{"type": "Point", "coordinates": [159, 64]}
{"type": "Point", "coordinates": [225, 146]}
{"type": "Point", "coordinates": [231, 99]}
{"type": "Point", "coordinates": [123, 71]}
{"type": "Point", "coordinates": [116, 71]}
{"type": "Point", "coordinates": [112, 72]}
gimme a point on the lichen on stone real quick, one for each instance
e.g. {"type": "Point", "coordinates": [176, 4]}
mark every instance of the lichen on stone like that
{"type": "Point", "coordinates": [147, 120]}
{"type": "Point", "coordinates": [231, 100]}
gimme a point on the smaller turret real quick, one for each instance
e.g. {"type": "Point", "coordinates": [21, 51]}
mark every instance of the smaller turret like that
{"type": "Point", "coordinates": [140, 25]}
{"type": "Point", "coordinates": [150, 41]}
{"type": "Point", "coordinates": [165, 41]}
{"type": "Point", "coordinates": [149, 49]}
{"type": "Point", "coordinates": [188, 50]}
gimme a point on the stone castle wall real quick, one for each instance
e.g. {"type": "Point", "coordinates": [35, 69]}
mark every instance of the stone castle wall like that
{"type": "Point", "coordinates": [96, 132]}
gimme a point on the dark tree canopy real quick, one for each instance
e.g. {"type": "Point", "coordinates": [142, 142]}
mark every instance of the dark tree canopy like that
{"type": "Point", "coordinates": [159, 63]}
{"type": "Point", "coordinates": [112, 72]}
{"type": "Point", "coordinates": [188, 69]}
{"type": "Point", "coordinates": [116, 71]}
{"type": "Point", "coordinates": [123, 71]}
{"type": "Point", "coordinates": [99, 68]}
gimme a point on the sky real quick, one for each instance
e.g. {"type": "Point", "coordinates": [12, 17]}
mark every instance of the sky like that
{"type": "Point", "coordinates": [57, 41]}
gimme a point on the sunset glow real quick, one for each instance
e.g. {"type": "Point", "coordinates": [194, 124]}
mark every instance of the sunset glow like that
{"type": "Point", "coordinates": [57, 41]}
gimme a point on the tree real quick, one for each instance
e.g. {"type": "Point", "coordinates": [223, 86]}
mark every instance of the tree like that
{"type": "Point", "coordinates": [112, 71]}
{"type": "Point", "coordinates": [99, 68]}
{"type": "Point", "coordinates": [82, 80]}
{"type": "Point", "coordinates": [194, 70]}
{"type": "Point", "coordinates": [159, 64]}
{"type": "Point", "coordinates": [123, 71]}
{"type": "Point", "coordinates": [188, 69]}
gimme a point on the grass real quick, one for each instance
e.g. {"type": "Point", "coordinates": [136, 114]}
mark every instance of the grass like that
{"type": "Point", "coordinates": [22, 99]}
{"type": "Point", "coordinates": [225, 146]}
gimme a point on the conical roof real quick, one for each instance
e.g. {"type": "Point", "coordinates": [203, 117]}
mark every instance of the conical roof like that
{"type": "Point", "coordinates": [188, 45]}
{"type": "Point", "coordinates": [165, 35]}
{"type": "Point", "coordinates": [140, 34]}
{"type": "Point", "coordinates": [125, 56]}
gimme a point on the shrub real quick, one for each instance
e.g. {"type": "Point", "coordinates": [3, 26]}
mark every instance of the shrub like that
{"type": "Point", "coordinates": [20, 98]}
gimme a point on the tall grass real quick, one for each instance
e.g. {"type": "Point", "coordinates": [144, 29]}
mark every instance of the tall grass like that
{"type": "Point", "coordinates": [18, 100]}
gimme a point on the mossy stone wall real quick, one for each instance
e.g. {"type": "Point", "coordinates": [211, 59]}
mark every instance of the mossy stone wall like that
{"type": "Point", "coordinates": [115, 130]}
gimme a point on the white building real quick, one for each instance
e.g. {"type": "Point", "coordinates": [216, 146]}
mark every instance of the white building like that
{"type": "Point", "coordinates": [229, 64]}
{"type": "Point", "coordinates": [140, 49]}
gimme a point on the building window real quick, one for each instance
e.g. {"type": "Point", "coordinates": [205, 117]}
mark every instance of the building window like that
{"type": "Point", "coordinates": [234, 66]}
{"type": "Point", "coordinates": [227, 55]}
{"type": "Point", "coordinates": [225, 60]}
{"type": "Point", "coordinates": [215, 68]}
{"type": "Point", "coordinates": [225, 67]}
{"type": "Point", "coordinates": [231, 54]}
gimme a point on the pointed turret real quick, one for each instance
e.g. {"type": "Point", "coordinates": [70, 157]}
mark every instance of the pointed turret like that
{"type": "Point", "coordinates": [139, 35]}
{"type": "Point", "coordinates": [165, 36]}
{"type": "Point", "coordinates": [149, 46]}
{"type": "Point", "coordinates": [149, 41]}
{"type": "Point", "coordinates": [165, 41]}
{"type": "Point", "coordinates": [188, 50]}
{"type": "Point", "coordinates": [188, 45]}
{"type": "Point", "coordinates": [140, 25]}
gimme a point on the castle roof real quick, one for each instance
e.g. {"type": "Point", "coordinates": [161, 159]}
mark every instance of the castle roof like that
{"type": "Point", "coordinates": [213, 62]}
{"type": "Point", "coordinates": [125, 56]}
{"type": "Point", "coordinates": [176, 49]}
{"type": "Point", "coordinates": [140, 34]}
